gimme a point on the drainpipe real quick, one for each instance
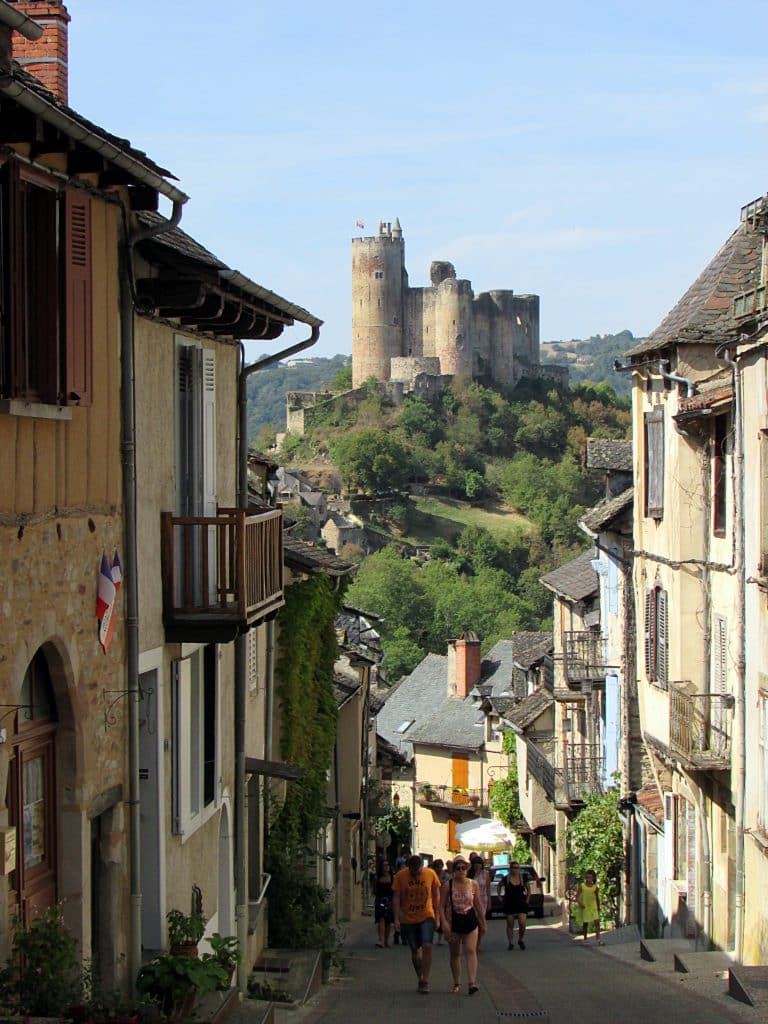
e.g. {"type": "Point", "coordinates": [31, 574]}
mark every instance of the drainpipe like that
{"type": "Point", "coordinates": [701, 808]}
{"type": "Point", "coordinates": [131, 562]}
{"type": "Point", "coordinates": [674, 379]}
{"type": "Point", "coordinates": [241, 657]}
{"type": "Point", "coordinates": [739, 749]}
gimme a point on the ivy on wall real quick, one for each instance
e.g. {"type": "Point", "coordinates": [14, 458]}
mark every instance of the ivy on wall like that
{"type": "Point", "coordinates": [299, 912]}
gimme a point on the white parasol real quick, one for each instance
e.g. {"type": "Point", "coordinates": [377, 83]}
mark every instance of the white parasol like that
{"type": "Point", "coordinates": [486, 834]}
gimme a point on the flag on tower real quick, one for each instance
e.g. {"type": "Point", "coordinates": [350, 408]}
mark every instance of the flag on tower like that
{"type": "Point", "coordinates": [360, 224]}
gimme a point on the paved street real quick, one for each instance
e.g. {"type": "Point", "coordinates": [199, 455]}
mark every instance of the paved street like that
{"type": "Point", "coordinates": [555, 979]}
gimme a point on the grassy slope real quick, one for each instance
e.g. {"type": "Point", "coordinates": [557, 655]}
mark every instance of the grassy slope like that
{"type": "Point", "coordinates": [447, 517]}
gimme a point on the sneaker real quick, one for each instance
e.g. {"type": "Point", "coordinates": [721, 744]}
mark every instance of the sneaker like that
{"type": "Point", "coordinates": [424, 988]}
{"type": "Point", "coordinates": [510, 945]}
{"type": "Point", "coordinates": [521, 944]}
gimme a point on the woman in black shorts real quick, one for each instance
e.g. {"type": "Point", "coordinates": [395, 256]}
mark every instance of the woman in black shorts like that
{"type": "Point", "coordinates": [382, 906]}
{"type": "Point", "coordinates": [515, 892]}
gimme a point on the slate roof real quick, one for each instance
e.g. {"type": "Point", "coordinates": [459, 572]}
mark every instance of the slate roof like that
{"type": "Point", "coordinates": [606, 453]}
{"type": "Point", "coordinates": [712, 394]}
{"type": "Point", "coordinates": [358, 633]}
{"type": "Point", "coordinates": [343, 690]}
{"type": "Point", "coordinates": [704, 314]}
{"type": "Point", "coordinates": [600, 516]}
{"type": "Point", "coordinates": [528, 648]}
{"type": "Point", "coordinates": [305, 557]}
{"type": "Point", "coordinates": [576, 580]}
{"type": "Point", "coordinates": [413, 698]}
{"type": "Point", "coordinates": [456, 723]}
{"type": "Point", "coordinates": [526, 711]}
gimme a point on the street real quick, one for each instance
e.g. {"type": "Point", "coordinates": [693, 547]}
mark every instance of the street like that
{"type": "Point", "coordinates": [555, 979]}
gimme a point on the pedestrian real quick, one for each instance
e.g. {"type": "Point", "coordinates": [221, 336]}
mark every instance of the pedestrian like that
{"type": "Point", "coordinates": [588, 902]}
{"type": "Point", "coordinates": [463, 922]}
{"type": "Point", "coordinates": [416, 910]}
{"type": "Point", "coordinates": [437, 867]}
{"type": "Point", "coordinates": [382, 906]}
{"type": "Point", "coordinates": [515, 894]}
{"type": "Point", "coordinates": [480, 874]}
{"type": "Point", "coordinates": [400, 863]}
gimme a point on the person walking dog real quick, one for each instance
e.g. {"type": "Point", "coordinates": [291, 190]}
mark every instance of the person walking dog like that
{"type": "Point", "coordinates": [416, 910]}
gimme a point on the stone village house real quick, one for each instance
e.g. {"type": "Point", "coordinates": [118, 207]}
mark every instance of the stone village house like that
{"type": "Point", "coordinates": [121, 391]}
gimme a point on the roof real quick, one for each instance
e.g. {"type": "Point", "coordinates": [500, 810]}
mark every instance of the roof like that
{"type": "Point", "coordinates": [343, 690]}
{"type": "Point", "coordinates": [600, 516]}
{"type": "Point", "coordinates": [529, 648]}
{"type": "Point", "coordinates": [717, 393]}
{"type": "Point", "coordinates": [704, 315]}
{"type": "Point", "coordinates": [29, 93]}
{"type": "Point", "coordinates": [357, 633]}
{"type": "Point", "coordinates": [574, 581]}
{"type": "Point", "coordinates": [455, 723]}
{"type": "Point", "coordinates": [526, 711]}
{"type": "Point", "coordinates": [606, 453]}
{"type": "Point", "coordinates": [412, 700]}
{"type": "Point", "coordinates": [649, 799]}
{"type": "Point", "coordinates": [302, 556]}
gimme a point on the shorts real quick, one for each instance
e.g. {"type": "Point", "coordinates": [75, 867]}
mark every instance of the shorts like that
{"type": "Point", "coordinates": [418, 935]}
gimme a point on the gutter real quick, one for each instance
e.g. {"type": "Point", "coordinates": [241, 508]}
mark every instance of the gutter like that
{"type": "Point", "coordinates": [131, 575]}
{"type": "Point", "coordinates": [241, 651]}
{"type": "Point", "coordinates": [19, 22]}
{"type": "Point", "coordinates": [74, 129]}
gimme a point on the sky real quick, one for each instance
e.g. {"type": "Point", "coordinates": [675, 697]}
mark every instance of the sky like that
{"type": "Point", "coordinates": [596, 153]}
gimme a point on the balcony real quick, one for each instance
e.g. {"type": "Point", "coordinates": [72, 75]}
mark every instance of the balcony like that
{"type": "Point", "coordinates": [583, 659]}
{"type": "Point", "coordinates": [541, 769]}
{"type": "Point", "coordinates": [578, 775]}
{"type": "Point", "coordinates": [451, 797]}
{"type": "Point", "coordinates": [700, 727]}
{"type": "Point", "coordinates": [221, 574]}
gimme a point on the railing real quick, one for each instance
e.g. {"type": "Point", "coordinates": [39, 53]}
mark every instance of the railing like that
{"type": "Point", "coordinates": [700, 726]}
{"type": "Point", "coordinates": [452, 796]}
{"type": "Point", "coordinates": [583, 658]}
{"type": "Point", "coordinates": [579, 772]}
{"type": "Point", "coordinates": [222, 569]}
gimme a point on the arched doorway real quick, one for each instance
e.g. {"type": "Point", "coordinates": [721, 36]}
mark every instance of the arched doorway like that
{"type": "Point", "coordinates": [32, 793]}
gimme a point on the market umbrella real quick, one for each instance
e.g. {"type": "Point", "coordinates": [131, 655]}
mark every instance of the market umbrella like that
{"type": "Point", "coordinates": [486, 834]}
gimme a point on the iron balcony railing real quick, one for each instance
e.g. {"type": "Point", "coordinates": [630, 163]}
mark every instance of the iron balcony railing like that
{"type": "Point", "coordinates": [450, 796]}
{"type": "Point", "coordinates": [579, 773]}
{"type": "Point", "coordinates": [583, 658]}
{"type": "Point", "coordinates": [700, 726]}
{"type": "Point", "coordinates": [221, 574]}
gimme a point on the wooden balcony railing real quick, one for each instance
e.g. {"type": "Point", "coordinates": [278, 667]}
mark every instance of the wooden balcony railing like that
{"type": "Point", "coordinates": [221, 574]}
{"type": "Point", "coordinates": [583, 658]}
{"type": "Point", "coordinates": [450, 796]}
{"type": "Point", "coordinates": [700, 726]}
{"type": "Point", "coordinates": [579, 773]}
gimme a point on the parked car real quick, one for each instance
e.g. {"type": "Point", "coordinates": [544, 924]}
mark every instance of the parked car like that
{"type": "Point", "coordinates": [530, 876]}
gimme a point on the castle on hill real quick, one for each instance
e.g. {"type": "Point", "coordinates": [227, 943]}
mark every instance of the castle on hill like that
{"type": "Point", "coordinates": [405, 334]}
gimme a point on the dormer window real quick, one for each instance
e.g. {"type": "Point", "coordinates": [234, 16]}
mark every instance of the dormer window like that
{"type": "Point", "coordinates": [405, 726]}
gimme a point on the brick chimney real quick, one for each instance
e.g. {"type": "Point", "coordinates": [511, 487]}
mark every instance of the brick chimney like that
{"type": "Point", "coordinates": [464, 663]}
{"type": "Point", "coordinates": [47, 58]}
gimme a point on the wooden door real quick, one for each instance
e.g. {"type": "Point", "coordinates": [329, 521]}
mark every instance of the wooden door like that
{"type": "Point", "coordinates": [32, 806]}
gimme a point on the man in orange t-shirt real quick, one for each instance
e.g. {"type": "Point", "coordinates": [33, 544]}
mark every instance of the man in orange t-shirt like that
{"type": "Point", "coordinates": [415, 907]}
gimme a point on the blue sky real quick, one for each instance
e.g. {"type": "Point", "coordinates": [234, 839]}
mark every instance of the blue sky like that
{"type": "Point", "coordinates": [597, 153]}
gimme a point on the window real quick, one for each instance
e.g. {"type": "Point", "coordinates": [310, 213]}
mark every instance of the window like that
{"type": "Point", "coordinates": [195, 737]}
{"type": "Point", "coordinates": [762, 714]}
{"type": "Point", "coordinates": [45, 289]}
{"type": "Point", "coordinates": [719, 478]}
{"type": "Point", "coordinates": [654, 463]}
{"type": "Point", "coordinates": [656, 650]}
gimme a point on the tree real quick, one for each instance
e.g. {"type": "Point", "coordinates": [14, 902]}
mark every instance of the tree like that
{"type": "Point", "coordinates": [371, 460]}
{"type": "Point", "coordinates": [595, 843]}
{"type": "Point", "coordinates": [343, 380]}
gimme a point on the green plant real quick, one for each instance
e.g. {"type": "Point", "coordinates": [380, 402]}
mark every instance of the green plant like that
{"type": "Point", "coordinates": [43, 976]}
{"type": "Point", "coordinates": [226, 952]}
{"type": "Point", "coordinates": [266, 990]}
{"type": "Point", "coordinates": [595, 843]}
{"type": "Point", "coordinates": [184, 929]}
{"type": "Point", "coordinates": [173, 982]}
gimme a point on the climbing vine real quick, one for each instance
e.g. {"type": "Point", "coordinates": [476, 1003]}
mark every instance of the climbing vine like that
{"type": "Point", "coordinates": [299, 911]}
{"type": "Point", "coordinates": [595, 843]}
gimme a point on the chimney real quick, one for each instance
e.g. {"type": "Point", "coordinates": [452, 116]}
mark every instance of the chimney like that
{"type": "Point", "coordinates": [47, 58]}
{"type": "Point", "coordinates": [464, 664]}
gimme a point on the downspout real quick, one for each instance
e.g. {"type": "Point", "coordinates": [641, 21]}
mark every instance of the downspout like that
{"type": "Point", "coordinates": [673, 378]}
{"type": "Point", "coordinates": [739, 716]}
{"type": "Point", "coordinates": [701, 808]}
{"type": "Point", "coordinates": [131, 561]}
{"type": "Point", "coordinates": [241, 659]}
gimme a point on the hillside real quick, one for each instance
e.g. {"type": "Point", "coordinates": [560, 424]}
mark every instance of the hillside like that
{"type": "Point", "coordinates": [267, 388]}
{"type": "Point", "coordinates": [592, 358]}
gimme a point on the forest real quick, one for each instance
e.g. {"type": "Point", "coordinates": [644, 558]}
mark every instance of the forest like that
{"type": "Point", "coordinates": [520, 454]}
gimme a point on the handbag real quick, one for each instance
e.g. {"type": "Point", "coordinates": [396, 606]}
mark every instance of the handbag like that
{"type": "Point", "coordinates": [462, 924]}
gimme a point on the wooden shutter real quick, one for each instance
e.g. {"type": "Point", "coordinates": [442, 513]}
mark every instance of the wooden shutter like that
{"type": "Point", "coordinates": [649, 634]}
{"type": "Point", "coordinates": [662, 652]}
{"type": "Point", "coordinates": [209, 432]}
{"type": "Point", "coordinates": [78, 298]}
{"type": "Point", "coordinates": [453, 843]}
{"type": "Point", "coordinates": [654, 463]}
{"type": "Point", "coordinates": [720, 656]}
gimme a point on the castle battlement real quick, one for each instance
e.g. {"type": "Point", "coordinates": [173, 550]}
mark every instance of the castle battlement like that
{"type": "Point", "coordinates": [443, 329]}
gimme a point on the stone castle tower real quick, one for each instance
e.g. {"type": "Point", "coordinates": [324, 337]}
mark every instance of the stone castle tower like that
{"type": "Point", "coordinates": [400, 333]}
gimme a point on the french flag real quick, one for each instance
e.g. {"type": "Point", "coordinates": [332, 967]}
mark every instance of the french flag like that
{"type": "Point", "coordinates": [106, 591]}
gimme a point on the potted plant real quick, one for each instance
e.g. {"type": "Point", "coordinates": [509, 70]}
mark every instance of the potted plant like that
{"type": "Point", "coordinates": [226, 953]}
{"type": "Point", "coordinates": [43, 975]}
{"type": "Point", "coordinates": [184, 932]}
{"type": "Point", "coordinates": [174, 982]}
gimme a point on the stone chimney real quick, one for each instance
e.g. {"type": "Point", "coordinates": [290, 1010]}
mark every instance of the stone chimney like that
{"type": "Point", "coordinates": [46, 58]}
{"type": "Point", "coordinates": [464, 664]}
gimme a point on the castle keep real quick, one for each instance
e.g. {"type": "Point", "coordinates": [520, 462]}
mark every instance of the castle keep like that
{"type": "Point", "coordinates": [400, 333]}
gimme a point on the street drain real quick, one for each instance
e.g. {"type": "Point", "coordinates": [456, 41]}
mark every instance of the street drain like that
{"type": "Point", "coordinates": [527, 1014]}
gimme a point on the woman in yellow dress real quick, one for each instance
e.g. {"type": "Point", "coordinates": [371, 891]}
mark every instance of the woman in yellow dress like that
{"type": "Point", "coordinates": [588, 902]}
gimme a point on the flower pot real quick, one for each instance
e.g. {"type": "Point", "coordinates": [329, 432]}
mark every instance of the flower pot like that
{"type": "Point", "coordinates": [185, 949]}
